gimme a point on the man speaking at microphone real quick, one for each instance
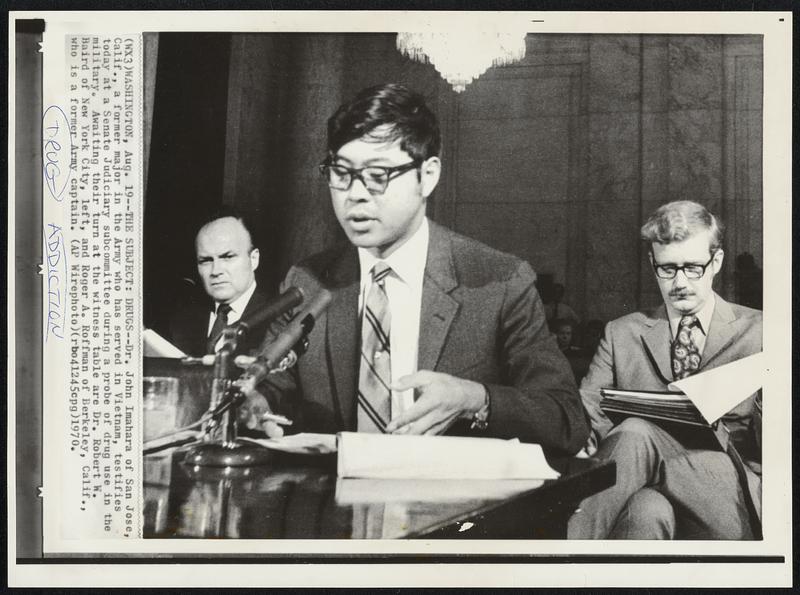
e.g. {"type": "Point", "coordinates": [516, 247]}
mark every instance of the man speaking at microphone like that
{"type": "Point", "coordinates": [427, 331]}
{"type": "Point", "coordinates": [226, 264]}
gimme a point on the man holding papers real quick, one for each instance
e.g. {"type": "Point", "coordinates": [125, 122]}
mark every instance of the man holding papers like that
{"type": "Point", "coordinates": [428, 331]}
{"type": "Point", "coordinates": [670, 487]}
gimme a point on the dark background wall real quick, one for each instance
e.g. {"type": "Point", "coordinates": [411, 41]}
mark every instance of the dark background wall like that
{"type": "Point", "coordinates": [558, 158]}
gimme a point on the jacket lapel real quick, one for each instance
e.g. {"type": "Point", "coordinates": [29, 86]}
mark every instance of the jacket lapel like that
{"type": "Point", "coordinates": [254, 304]}
{"type": "Point", "coordinates": [342, 333]}
{"type": "Point", "coordinates": [721, 331]}
{"type": "Point", "coordinates": [439, 308]}
{"type": "Point", "coordinates": [657, 339]}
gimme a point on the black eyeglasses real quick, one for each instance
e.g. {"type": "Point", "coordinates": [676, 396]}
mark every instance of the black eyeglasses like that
{"type": "Point", "coordinates": [669, 271]}
{"type": "Point", "coordinates": [375, 178]}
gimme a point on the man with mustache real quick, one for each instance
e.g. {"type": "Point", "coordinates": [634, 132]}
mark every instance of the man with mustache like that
{"type": "Point", "coordinates": [668, 484]}
{"type": "Point", "coordinates": [428, 331]}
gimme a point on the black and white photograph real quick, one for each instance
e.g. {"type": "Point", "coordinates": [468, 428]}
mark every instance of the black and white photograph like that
{"type": "Point", "coordinates": [565, 221]}
{"type": "Point", "coordinates": [473, 292]}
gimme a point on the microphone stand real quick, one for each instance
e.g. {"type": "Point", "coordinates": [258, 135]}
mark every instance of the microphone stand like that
{"type": "Point", "coordinates": [220, 445]}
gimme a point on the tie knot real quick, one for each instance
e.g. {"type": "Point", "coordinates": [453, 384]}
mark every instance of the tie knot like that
{"type": "Point", "coordinates": [223, 309]}
{"type": "Point", "coordinates": [689, 321]}
{"type": "Point", "coordinates": [380, 271]}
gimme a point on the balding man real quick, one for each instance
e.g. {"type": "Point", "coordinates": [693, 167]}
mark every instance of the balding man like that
{"type": "Point", "coordinates": [226, 264]}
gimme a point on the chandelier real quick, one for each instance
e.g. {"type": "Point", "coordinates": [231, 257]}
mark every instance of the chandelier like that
{"type": "Point", "coordinates": [461, 57]}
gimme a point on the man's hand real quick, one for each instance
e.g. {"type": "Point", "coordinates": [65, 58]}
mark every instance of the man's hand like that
{"type": "Point", "coordinates": [254, 408]}
{"type": "Point", "coordinates": [442, 399]}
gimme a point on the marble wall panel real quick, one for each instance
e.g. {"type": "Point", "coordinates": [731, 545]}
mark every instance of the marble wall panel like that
{"type": "Point", "coordinates": [655, 73]}
{"type": "Point", "coordinates": [536, 233]}
{"type": "Point", "coordinates": [612, 256]}
{"type": "Point", "coordinates": [519, 92]}
{"type": "Point", "coordinates": [748, 82]}
{"type": "Point", "coordinates": [512, 160]}
{"type": "Point", "coordinates": [613, 157]}
{"type": "Point", "coordinates": [556, 48]}
{"type": "Point", "coordinates": [695, 156]}
{"type": "Point", "coordinates": [695, 71]}
{"type": "Point", "coordinates": [745, 196]}
{"type": "Point", "coordinates": [655, 167]}
{"type": "Point", "coordinates": [614, 73]}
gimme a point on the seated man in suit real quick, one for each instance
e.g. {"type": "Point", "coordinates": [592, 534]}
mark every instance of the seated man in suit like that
{"type": "Point", "coordinates": [226, 264]}
{"type": "Point", "coordinates": [427, 331]}
{"type": "Point", "coordinates": [668, 484]}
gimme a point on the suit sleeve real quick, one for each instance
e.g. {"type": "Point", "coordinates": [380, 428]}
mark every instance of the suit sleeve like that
{"type": "Point", "coordinates": [540, 401]}
{"type": "Point", "coordinates": [600, 374]}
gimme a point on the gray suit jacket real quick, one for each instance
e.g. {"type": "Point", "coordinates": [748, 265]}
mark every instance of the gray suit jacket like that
{"type": "Point", "coordinates": [481, 319]}
{"type": "Point", "coordinates": [635, 354]}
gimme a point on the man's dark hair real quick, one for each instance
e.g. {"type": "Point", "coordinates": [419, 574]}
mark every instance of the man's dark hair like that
{"type": "Point", "coordinates": [221, 212]}
{"type": "Point", "coordinates": [402, 111]}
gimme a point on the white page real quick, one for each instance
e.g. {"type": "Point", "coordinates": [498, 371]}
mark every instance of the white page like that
{"type": "Point", "coordinates": [719, 390]}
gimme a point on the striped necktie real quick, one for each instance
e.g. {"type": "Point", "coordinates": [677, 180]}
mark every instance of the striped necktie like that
{"type": "Point", "coordinates": [685, 355]}
{"type": "Point", "coordinates": [375, 371]}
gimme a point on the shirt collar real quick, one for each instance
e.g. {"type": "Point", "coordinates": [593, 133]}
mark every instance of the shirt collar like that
{"type": "Point", "coordinates": [407, 262]}
{"type": "Point", "coordinates": [703, 316]}
{"type": "Point", "coordinates": [239, 304]}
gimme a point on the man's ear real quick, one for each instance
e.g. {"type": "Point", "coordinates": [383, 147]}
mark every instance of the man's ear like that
{"type": "Point", "coordinates": [255, 258]}
{"type": "Point", "coordinates": [430, 170]}
{"type": "Point", "coordinates": [719, 256]}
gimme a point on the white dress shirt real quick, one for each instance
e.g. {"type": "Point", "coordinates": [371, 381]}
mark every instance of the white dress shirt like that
{"type": "Point", "coordinates": [703, 317]}
{"type": "Point", "coordinates": [237, 309]}
{"type": "Point", "coordinates": [404, 291]}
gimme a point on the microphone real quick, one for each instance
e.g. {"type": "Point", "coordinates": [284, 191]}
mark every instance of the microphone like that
{"type": "Point", "coordinates": [270, 311]}
{"type": "Point", "coordinates": [275, 307]}
{"type": "Point", "coordinates": [290, 343]}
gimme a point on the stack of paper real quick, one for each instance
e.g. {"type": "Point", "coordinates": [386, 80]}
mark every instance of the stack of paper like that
{"type": "Point", "coordinates": [667, 406]}
{"type": "Point", "coordinates": [384, 456]}
{"type": "Point", "coordinates": [700, 399]}
{"type": "Point", "coordinates": [157, 346]}
{"type": "Point", "coordinates": [717, 391]}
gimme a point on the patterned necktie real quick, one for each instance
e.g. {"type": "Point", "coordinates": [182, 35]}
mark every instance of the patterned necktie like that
{"type": "Point", "coordinates": [375, 371]}
{"type": "Point", "coordinates": [685, 355]}
{"type": "Point", "coordinates": [220, 322]}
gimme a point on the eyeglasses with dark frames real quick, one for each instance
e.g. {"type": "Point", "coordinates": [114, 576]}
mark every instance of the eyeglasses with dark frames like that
{"type": "Point", "coordinates": [691, 270]}
{"type": "Point", "coordinates": [375, 178]}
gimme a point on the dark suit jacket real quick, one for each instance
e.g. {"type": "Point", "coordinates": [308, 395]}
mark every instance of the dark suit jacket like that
{"type": "Point", "coordinates": [481, 320]}
{"type": "Point", "coordinates": [188, 328]}
{"type": "Point", "coordinates": [635, 354]}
